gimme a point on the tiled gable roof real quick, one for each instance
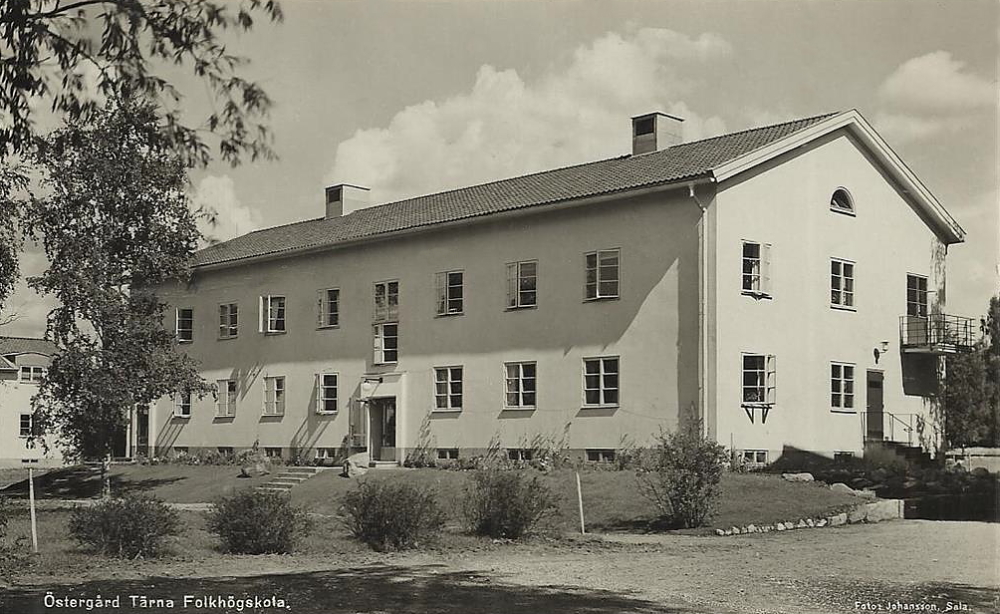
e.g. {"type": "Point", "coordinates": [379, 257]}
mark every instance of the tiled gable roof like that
{"type": "Point", "coordinates": [677, 163]}
{"type": "Point", "coordinates": [26, 345]}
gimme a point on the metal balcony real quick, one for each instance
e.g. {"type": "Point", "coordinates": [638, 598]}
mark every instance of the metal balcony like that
{"type": "Point", "coordinates": [937, 333]}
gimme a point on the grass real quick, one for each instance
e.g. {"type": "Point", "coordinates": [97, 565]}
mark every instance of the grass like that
{"type": "Point", "coordinates": [175, 483]}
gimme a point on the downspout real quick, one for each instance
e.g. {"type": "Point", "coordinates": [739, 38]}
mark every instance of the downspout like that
{"type": "Point", "coordinates": [703, 285]}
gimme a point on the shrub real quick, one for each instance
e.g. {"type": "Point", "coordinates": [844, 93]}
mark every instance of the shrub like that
{"type": "Point", "coordinates": [506, 503]}
{"type": "Point", "coordinates": [392, 515]}
{"type": "Point", "coordinates": [133, 526]}
{"type": "Point", "coordinates": [681, 477]}
{"type": "Point", "coordinates": [258, 522]}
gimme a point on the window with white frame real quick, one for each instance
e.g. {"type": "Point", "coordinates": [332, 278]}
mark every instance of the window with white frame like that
{"type": "Point", "coordinates": [841, 202]}
{"type": "Point", "coordinates": [602, 274]}
{"type": "Point", "coordinates": [328, 308]}
{"type": "Point", "coordinates": [522, 284]}
{"type": "Point", "coordinates": [450, 292]}
{"type": "Point", "coordinates": [600, 381]}
{"type": "Point", "coordinates": [274, 396]}
{"type": "Point", "coordinates": [225, 405]}
{"type": "Point", "coordinates": [842, 386]}
{"type": "Point", "coordinates": [229, 320]}
{"type": "Point", "coordinates": [756, 280]}
{"type": "Point", "coordinates": [272, 314]}
{"type": "Point", "coordinates": [386, 343]}
{"type": "Point", "coordinates": [916, 295]}
{"type": "Point", "coordinates": [31, 374]}
{"type": "Point", "coordinates": [521, 381]}
{"type": "Point", "coordinates": [326, 393]}
{"type": "Point", "coordinates": [386, 301]}
{"type": "Point", "coordinates": [25, 426]}
{"type": "Point", "coordinates": [758, 386]}
{"type": "Point", "coordinates": [182, 405]}
{"type": "Point", "coordinates": [841, 283]}
{"type": "Point", "coordinates": [185, 325]}
{"type": "Point", "coordinates": [448, 389]}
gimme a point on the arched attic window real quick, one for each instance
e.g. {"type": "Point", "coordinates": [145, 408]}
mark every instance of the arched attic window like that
{"type": "Point", "coordinates": [841, 202]}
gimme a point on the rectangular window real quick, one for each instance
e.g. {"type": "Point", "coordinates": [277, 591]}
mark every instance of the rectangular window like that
{"type": "Point", "coordinates": [916, 295]}
{"type": "Point", "coordinates": [182, 405]}
{"type": "Point", "coordinates": [448, 389]}
{"type": "Point", "coordinates": [450, 292]}
{"type": "Point", "coordinates": [386, 301]}
{"type": "Point", "coordinates": [386, 343]}
{"type": "Point", "coordinates": [841, 283]}
{"type": "Point", "coordinates": [758, 379]}
{"type": "Point", "coordinates": [325, 453]}
{"type": "Point", "coordinates": [272, 452]}
{"type": "Point", "coordinates": [521, 382]}
{"type": "Point", "coordinates": [274, 396]}
{"type": "Point", "coordinates": [328, 308]}
{"type": "Point", "coordinates": [756, 269]}
{"type": "Point", "coordinates": [522, 284]}
{"type": "Point", "coordinates": [32, 375]}
{"type": "Point", "coordinates": [842, 386]}
{"type": "Point", "coordinates": [229, 320]}
{"type": "Point", "coordinates": [25, 426]}
{"type": "Point", "coordinates": [447, 453]}
{"type": "Point", "coordinates": [272, 314]}
{"type": "Point", "coordinates": [755, 457]}
{"type": "Point", "coordinates": [326, 393]}
{"type": "Point", "coordinates": [600, 382]}
{"type": "Point", "coordinates": [601, 455]}
{"type": "Point", "coordinates": [185, 325]}
{"type": "Point", "coordinates": [226, 451]}
{"type": "Point", "coordinates": [602, 274]}
{"type": "Point", "coordinates": [519, 454]}
{"type": "Point", "coordinates": [225, 406]}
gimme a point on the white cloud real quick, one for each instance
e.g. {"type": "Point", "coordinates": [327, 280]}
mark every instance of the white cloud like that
{"type": "Point", "coordinates": [931, 95]}
{"type": "Point", "coordinates": [504, 126]}
{"type": "Point", "coordinates": [217, 196]}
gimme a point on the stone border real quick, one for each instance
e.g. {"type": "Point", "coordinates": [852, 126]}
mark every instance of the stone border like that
{"type": "Point", "coordinates": [876, 511]}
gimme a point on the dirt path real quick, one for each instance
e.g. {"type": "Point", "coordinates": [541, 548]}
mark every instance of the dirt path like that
{"type": "Point", "coordinates": [825, 570]}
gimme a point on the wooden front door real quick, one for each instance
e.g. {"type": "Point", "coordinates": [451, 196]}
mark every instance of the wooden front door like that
{"type": "Point", "coordinates": [875, 416]}
{"type": "Point", "coordinates": [382, 412]}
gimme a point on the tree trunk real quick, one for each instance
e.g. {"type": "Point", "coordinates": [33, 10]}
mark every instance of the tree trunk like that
{"type": "Point", "coordinates": [106, 476]}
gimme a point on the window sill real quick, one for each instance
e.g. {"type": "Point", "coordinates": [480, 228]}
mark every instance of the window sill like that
{"type": "Point", "coordinates": [272, 415]}
{"type": "Point", "coordinates": [449, 315]}
{"type": "Point", "coordinates": [598, 299]}
{"type": "Point", "coordinates": [844, 212]}
{"type": "Point", "coordinates": [185, 341]}
{"type": "Point", "coordinates": [520, 408]}
{"type": "Point", "coordinates": [446, 411]}
{"type": "Point", "coordinates": [182, 417]}
{"type": "Point", "coordinates": [520, 307]}
{"type": "Point", "coordinates": [275, 332]}
{"type": "Point", "coordinates": [328, 327]}
{"type": "Point", "coordinates": [227, 338]}
{"type": "Point", "coordinates": [222, 417]}
{"type": "Point", "coordinates": [843, 308]}
{"type": "Point", "coordinates": [757, 295]}
{"type": "Point", "coordinates": [326, 413]}
{"type": "Point", "coordinates": [605, 406]}
{"type": "Point", "coordinates": [834, 410]}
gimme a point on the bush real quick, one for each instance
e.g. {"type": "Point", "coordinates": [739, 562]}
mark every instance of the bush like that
{"type": "Point", "coordinates": [392, 515]}
{"type": "Point", "coordinates": [258, 522]}
{"type": "Point", "coordinates": [506, 503]}
{"type": "Point", "coordinates": [130, 527]}
{"type": "Point", "coordinates": [681, 477]}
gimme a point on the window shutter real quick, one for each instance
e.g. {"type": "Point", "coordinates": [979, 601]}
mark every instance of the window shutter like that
{"type": "Point", "coordinates": [262, 314]}
{"type": "Point", "coordinates": [377, 343]}
{"type": "Point", "coordinates": [765, 269]}
{"type": "Point", "coordinates": [441, 288]}
{"type": "Point", "coordinates": [318, 387]}
{"type": "Point", "coordinates": [770, 379]}
{"type": "Point", "coordinates": [320, 311]}
{"type": "Point", "coordinates": [512, 285]}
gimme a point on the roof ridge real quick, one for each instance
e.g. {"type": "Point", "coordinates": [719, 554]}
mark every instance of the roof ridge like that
{"type": "Point", "coordinates": [2, 337]}
{"type": "Point", "coordinates": [756, 128]}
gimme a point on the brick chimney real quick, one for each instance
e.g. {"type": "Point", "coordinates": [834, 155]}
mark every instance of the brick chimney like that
{"type": "Point", "coordinates": [344, 198]}
{"type": "Point", "coordinates": [655, 132]}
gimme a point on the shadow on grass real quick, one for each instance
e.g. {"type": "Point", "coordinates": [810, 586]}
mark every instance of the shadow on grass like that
{"type": "Point", "coordinates": [81, 482]}
{"type": "Point", "coordinates": [421, 589]}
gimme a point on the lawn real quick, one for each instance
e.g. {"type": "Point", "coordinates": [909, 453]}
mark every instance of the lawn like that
{"type": "Point", "coordinates": [176, 483]}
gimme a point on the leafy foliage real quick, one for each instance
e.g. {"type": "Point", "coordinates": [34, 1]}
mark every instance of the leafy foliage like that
{"type": "Point", "coordinates": [506, 503]}
{"type": "Point", "coordinates": [131, 527]}
{"type": "Point", "coordinates": [682, 476]}
{"type": "Point", "coordinates": [392, 515]}
{"type": "Point", "coordinates": [258, 522]}
{"type": "Point", "coordinates": [970, 390]}
{"type": "Point", "coordinates": [114, 223]}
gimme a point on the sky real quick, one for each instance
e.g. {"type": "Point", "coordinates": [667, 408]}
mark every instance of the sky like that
{"type": "Point", "coordinates": [415, 97]}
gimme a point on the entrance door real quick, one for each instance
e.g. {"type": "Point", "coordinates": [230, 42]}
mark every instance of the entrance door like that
{"type": "Point", "coordinates": [875, 428]}
{"type": "Point", "coordinates": [383, 428]}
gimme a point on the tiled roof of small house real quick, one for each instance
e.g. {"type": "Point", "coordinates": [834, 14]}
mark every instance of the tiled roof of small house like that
{"type": "Point", "coordinates": [25, 345]}
{"type": "Point", "coordinates": [677, 163]}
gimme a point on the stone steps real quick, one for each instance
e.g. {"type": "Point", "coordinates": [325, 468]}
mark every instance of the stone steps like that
{"type": "Point", "coordinates": [290, 477]}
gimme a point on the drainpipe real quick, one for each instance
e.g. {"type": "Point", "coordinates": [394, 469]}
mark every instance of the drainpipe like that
{"type": "Point", "coordinates": [703, 287]}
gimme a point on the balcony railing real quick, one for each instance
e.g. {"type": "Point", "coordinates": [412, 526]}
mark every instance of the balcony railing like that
{"type": "Point", "coordinates": [937, 333]}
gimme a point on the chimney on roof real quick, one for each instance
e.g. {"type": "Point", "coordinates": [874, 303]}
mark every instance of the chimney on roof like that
{"type": "Point", "coordinates": [655, 132]}
{"type": "Point", "coordinates": [344, 198]}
